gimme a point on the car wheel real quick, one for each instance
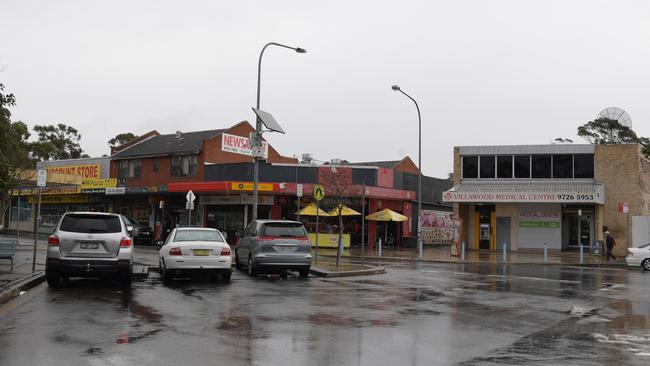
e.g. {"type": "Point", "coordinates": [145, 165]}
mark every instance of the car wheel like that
{"type": "Point", "coordinates": [125, 280]}
{"type": "Point", "coordinates": [251, 267]}
{"type": "Point", "coordinates": [164, 273]}
{"type": "Point", "coordinates": [237, 263]}
{"type": "Point", "coordinates": [304, 273]}
{"type": "Point", "coordinates": [53, 279]}
{"type": "Point", "coordinates": [646, 264]}
{"type": "Point", "coordinates": [226, 276]}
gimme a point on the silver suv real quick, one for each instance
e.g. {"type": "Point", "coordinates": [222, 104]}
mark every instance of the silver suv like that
{"type": "Point", "coordinates": [274, 246]}
{"type": "Point", "coordinates": [89, 244]}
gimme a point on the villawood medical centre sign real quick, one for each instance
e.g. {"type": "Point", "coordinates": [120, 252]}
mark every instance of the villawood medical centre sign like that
{"type": "Point", "coordinates": [540, 197]}
{"type": "Point", "coordinates": [240, 145]}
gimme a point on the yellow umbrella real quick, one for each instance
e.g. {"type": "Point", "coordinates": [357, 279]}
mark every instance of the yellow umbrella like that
{"type": "Point", "coordinates": [345, 211]}
{"type": "Point", "coordinates": [386, 215]}
{"type": "Point", "coordinates": [310, 210]}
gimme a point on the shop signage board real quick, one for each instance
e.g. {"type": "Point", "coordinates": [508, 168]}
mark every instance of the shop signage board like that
{"type": "Point", "coordinates": [234, 200]}
{"type": "Point", "coordinates": [56, 199]}
{"type": "Point", "coordinates": [248, 186]}
{"type": "Point", "coordinates": [98, 183]}
{"type": "Point", "coordinates": [535, 197]}
{"type": "Point", "coordinates": [86, 171]}
{"type": "Point", "coordinates": [47, 191]}
{"type": "Point", "coordinates": [116, 190]}
{"type": "Point", "coordinates": [539, 218]}
{"type": "Point", "coordinates": [240, 145]}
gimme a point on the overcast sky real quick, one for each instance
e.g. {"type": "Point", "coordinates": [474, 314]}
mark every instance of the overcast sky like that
{"type": "Point", "coordinates": [483, 72]}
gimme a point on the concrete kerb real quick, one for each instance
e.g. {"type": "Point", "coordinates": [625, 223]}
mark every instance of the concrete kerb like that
{"type": "Point", "coordinates": [322, 272]}
{"type": "Point", "coordinates": [427, 260]}
{"type": "Point", "coordinates": [13, 289]}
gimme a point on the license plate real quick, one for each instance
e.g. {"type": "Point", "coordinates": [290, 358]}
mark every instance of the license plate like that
{"type": "Point", "coordinates": [201, 252]}
{"type": "Point", "coordinates": [89, 245]}
{"type": "Point", "coordinates": [285, 249]}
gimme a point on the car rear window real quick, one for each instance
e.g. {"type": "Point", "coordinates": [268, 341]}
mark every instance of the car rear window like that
{"type": "Point", "coordinates": [198, 235]}
{"type": "Point", "coordinates": [645, 245]}
{"type": "Point", "coordinates": [282, 229]}
{"type": "Point", "coordinates": [102, 224]}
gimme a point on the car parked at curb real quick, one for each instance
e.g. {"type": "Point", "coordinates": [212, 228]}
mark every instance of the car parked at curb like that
{"type": "Point", "coordinates": [274, 246]}
{"type": "Point", "coordinates": [192, 251]}
{"type": "Point", "coordinates": [639, 256]}
{"type": "Point", "coordinates": [89, 244]}
{"type": "Point", "coordinates": [143, 234]}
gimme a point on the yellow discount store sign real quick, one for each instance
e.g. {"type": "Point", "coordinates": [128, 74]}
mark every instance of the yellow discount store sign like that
{"type": "Point", "coordinates": [248, 186]}
{"type": "Point", "coordinates": [86, 171]}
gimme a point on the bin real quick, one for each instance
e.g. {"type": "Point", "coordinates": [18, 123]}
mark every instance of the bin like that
{"type": "Point", "coordinates": [597, 248]}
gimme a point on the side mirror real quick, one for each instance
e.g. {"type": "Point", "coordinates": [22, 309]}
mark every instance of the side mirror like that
{"type": "Point", "coordinates": [135, 232]}
{"type": "Point", "coordinates": [225, 235]}
{"type": "Point", "coordinates": [159, 244]}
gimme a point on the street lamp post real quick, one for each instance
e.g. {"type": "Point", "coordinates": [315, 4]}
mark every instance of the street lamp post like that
{"type": "Point", "coordinates": [417, 215]}
{"type": "Point", "coordinates": [258, 124]}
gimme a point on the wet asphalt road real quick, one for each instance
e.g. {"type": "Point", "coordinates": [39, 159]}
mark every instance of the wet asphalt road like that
{"type": "Point", "coordinates": [428, 314]}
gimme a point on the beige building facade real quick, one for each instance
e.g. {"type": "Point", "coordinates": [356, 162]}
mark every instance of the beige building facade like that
{"type": "Point", "coordinates": [527, 197]}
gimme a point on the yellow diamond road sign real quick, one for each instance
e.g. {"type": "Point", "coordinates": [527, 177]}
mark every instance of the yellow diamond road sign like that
{"type": "Point", "coordinates": [319, 192]}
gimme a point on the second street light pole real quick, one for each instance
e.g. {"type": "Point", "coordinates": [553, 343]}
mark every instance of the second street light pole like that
{"type": "Point", "coordinates": [417, 216]}
{"type": "Point", "coordinates": [258, 125]}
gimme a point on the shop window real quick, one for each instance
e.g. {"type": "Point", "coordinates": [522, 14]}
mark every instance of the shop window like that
{"type": "Point", "coordinates": [522, 166]}
{"type": "Point", "coordinates": [562, 166]}
{"type": "Point", "coordinates": [470, 166]}
{"type": "Point", "coordinates": [504, 166]}
{"type": "Point", "coordinates": [541, 166]}
{"type": "Point", "coordinates": [487, 166]}
{"type": "Point", "coordinates": [122, 168]}
{"type": "Point", "coordinates": [583, 165]}
{"type": "Point", "coordinates": [183, 165]}
{"type": "Point", "coordinates": [154, 165]}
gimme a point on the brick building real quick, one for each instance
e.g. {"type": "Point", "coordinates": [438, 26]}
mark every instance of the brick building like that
{"type": "Point", "coordinates": [154, 172]}
{"type": "Point", "coordinates": [559, 195]}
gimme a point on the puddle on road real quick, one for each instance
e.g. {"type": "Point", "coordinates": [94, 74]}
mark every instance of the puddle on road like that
{"type": "Point", "coordinates": [636, 344]}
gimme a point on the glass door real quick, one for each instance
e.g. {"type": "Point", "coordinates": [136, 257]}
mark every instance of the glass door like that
{"type": "Point", "coordinates": [579, 230]}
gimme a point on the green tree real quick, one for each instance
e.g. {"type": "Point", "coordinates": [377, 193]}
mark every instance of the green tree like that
{"type": "Point", "coordinates": [121, 139]}
{"type": "Point", "coordinates": [14, 150]}
{"type": "Point", "coordinates": [608, 131]}
{"type": "Point", "coordinates": [56, 142]}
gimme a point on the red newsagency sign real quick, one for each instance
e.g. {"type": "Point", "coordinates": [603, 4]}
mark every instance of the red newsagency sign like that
{"type": "Point", "coordinates": [623, 207]}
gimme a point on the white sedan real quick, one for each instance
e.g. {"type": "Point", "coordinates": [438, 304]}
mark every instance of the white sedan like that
{"type": "Point", "coordinates": [189, 251]}
{"type": "Point", "coordinates": [639, 256]}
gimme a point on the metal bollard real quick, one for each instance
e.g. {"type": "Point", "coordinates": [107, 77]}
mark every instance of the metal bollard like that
{"type": "Point", "coordinates": [462, 251]}
{"type": "Point", "coordinates": [582, 257]}
{"type": "Point", "coordinates": [505, 259]}
{"type": "Point", "coordinates": [379, 248]}
{"type": "Point", "coordinates": [420, 249]}
{"type": "Point", "coordinates": [545, 252]}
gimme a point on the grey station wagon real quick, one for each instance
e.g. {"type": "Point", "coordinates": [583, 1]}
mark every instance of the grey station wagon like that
{"type": "Point", "coordinates": [274, 246]}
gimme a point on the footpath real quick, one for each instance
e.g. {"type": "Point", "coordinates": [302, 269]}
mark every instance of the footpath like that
{"type": "Point", "coordinates": [442, 254]}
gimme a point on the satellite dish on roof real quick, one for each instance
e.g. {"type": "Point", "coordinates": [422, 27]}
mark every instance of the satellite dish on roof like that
{"type": "Point", "coordinates": [616, 114]}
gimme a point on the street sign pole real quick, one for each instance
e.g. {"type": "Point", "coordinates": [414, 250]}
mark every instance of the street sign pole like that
{"type": "Point", "coordinates": [37, 222]}
{"type": "Point", "coordinates": [41, 182]}
{"type": "Point", "coordinates": [319, 193]}
{"type": "Point", "coordinates": [189, 205]}
{"type": "Point", "coordinates": [317, 212]}
{"type": "Point", "coordinates": [363, 221]}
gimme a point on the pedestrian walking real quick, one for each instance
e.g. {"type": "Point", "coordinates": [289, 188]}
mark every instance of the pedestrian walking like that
{"type": "Point", "coordinates": [611, 243]}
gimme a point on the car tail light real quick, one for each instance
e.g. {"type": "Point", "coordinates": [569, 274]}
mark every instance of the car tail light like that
{"type": "Point", "coordinates": [175, 251]}
{"type": "Point", "coordinates": [303, 239]}
{"type": "Point", "coordinates": [53, 241]}
{"type": "Point", "coordinates": [225, 251]}
{"type": "Point", "coordinates": [126, 243]}
{"type": "Point", "coordinates": [266, 238]}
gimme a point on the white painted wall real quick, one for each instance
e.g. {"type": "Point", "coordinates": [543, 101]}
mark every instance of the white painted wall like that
{"type": "Point", "coordinates": [640, 230]}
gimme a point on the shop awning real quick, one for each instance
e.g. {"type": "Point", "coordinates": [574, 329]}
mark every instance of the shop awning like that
{"type": "Point", "coordinates": [534, 192]}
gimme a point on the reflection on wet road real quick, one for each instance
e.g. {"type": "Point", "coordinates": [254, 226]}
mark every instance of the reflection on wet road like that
{"type": "Point", "coordinates": [428, 314]}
